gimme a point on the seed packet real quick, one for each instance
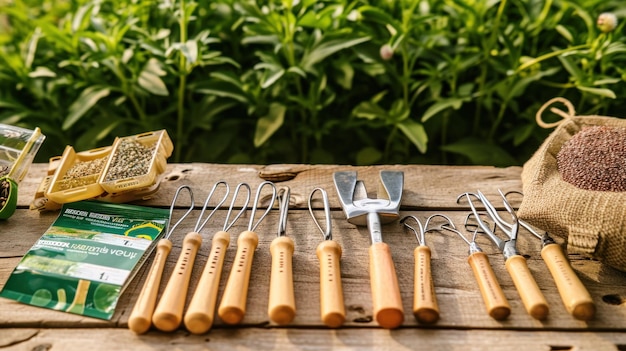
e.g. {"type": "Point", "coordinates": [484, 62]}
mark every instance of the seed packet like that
{"type": "Point", "coordinates": [87, 257]}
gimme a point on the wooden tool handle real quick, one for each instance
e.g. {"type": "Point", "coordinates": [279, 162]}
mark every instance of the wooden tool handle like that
{"type": "Point", "coordinates": [425, 306]}
{"type": "Point", "coordinates": [386, 299]}
{"type": "Point", "coordinates": [233, 305]}
{"type": "Point", "coordinates": [141, 317]}
{"type": "Point", "coordinates": [199, 315]}
{"type": "Point", "coordinates": [575, 296]}
{"type": "Point", "coordinates": [496, 303]}
{"type": "Point", "coordinates": [169, 312]}
{"type": "Point", "coordinates": [532, 297]}
{"type": "Point", "coordinates": [332, 307]}
{"type": "Point", "coordinates": [282, 302]}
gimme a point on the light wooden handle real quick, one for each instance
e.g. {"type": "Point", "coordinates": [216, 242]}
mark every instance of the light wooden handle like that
{"type": "Point", "coordinates": [169, 312]}
{"type": "Point", "coordinates": [575, 296]}
{"type": "Point", "coordinates": [425, 306]}
{"type": "Point", "coordinates": [332, 307]}
{"type": "Point", "coordinates": [201, 310]}
{"type": "Point", "coordinates": [233, 305]}
{"type": "Point", "coordinates": [282, 302]}
{"type": "Point", "coordinates": [386, 299]}
{"type": "Point", "coordinates": [532, 297]}
{"type": "Point", "coordinates": [141, 317]}
{"type": "Point", "coordinates": [496, 303]}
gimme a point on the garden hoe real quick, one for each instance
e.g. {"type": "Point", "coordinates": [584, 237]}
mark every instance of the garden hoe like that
{"type": "Point", "coordinates": [361, 210]}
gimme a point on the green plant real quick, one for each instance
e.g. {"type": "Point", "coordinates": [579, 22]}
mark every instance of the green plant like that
{"type": "Point", "coordinates": [334, 81]}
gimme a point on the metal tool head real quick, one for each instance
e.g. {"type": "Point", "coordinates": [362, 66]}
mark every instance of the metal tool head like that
{"type": "Point", "coordinates": [355, 203]}
{"type": "Point", "coordinates": [511, 229]}
{"type": "Point", "coordinates": [284, 194]}
{"type": "Point", "coordinates": [327, 232]}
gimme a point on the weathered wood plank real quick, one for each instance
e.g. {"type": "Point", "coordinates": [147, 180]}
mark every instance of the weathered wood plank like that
{"type": "Point", "coordinates": [315, 339]}
{"type": "Point", "coordinates": [459, 298]}
{"type": "Point", "coordinates": [428, 190]}
{"type": "Point", "coordinates": [425, 186]}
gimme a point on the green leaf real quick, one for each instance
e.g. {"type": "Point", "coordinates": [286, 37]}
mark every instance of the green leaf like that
{"type": "Point", "coordinates": [41, 72]}
{"type": "Point", "coordinates": [269, 124]}
{"type": "Point", "coordinates": [441, 105]}
{"type": "Point", "coordinates": [87, 99]}
{"type": "Point", "coordinates": [325, 49]}
{"type": "Point", "coordinates": [149, 78]}
{"type": "Point", "coordinates": [223, 89]}
{"type": "Point", "coordinates": [571, 67]}
{"type": "Point", "coordinates": [368, 156]}
{"type": "Point", "coordinates": [481, 152]}
{"type": "Point", "coordinates": [598, 91]}
{"type": "Point", "coordinates": [271, 78]}
{"type": "Point", "coordinates": [370, 110]}
{"type": "Point", "coordinates": [416, 133]}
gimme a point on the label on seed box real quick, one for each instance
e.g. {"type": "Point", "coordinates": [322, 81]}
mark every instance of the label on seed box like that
{"type": "Point", "coordinates": [83, 262]}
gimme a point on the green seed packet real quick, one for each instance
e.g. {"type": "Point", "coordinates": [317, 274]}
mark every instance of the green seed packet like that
{"type": "Point", "coordinates": [87, 257]}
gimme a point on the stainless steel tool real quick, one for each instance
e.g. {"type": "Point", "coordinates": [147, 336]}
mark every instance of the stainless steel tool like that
{"type": "Point", "coordinates": [169, 311]}
{"type": "Point", "coordinates": [200, 313]}
{"type": "Point", "coordinates": [532, 297]}
{"type": "Point", "coordinates": [232, 308]}
{"type": "Point", "coordinates": [332, 308]}
{"type": "Point", "coordinates": [495, 301]}
{"type": "Point", "coordinates": [425, 307]}
{"type": "Point", "coordinates": [361, 210]}
{"type": "Point", "coordinates": [281, 307]}
{"type": "Point", "coordinates": [574, 294]}
{"type": "Point", "coordinates": [140, 319]}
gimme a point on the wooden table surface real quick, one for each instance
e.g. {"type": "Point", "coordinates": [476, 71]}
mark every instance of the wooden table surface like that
{"type": "Point", "coordinates": [463, 323]}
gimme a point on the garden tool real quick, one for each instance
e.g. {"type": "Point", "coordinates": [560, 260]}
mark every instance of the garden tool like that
{"type": "Point", "coordinates": [141, 317]}
{"type": "Point", "coordinates": [233, 305]}
{"type": "Point", "coordinates": [169, 312]}
{"type": "Point", "coordinates": [333, 311]}
{"type": "Point", "coordinates": [495, 301]}
{"type": "Point", "coordinates": [199, 315]}
{"type": "Point", "coordinates": [574, 295]}
{"type": "Point", "coordinates": [532, 297]}
{"type": "Point", "coordinates": [361, 210]}
{"type": "Point", "coordinates": [282, 302]}
{"type": "Point", "coordinates": [425, 307]}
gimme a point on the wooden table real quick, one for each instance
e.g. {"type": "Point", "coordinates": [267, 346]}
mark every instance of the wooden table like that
{"type": "Point", "coordinates": [463, 324]}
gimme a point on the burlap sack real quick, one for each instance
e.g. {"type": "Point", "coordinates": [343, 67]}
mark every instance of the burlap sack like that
{"type": "Point", "coordinates": [594, 222]}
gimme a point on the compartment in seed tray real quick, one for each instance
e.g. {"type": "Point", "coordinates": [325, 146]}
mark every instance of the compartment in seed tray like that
{"type": "Point", "coordinates": [136, 161]}
{"type": "Point", "coordinates": [76, 177]}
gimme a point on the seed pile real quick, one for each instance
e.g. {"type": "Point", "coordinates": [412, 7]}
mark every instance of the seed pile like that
{"type": "Point", "coordinates": [131, 159]}
{"type": "Point", "coordinates": [80, 172]}
{"type": "Point", "coordinates": [4, 170]}
{"type": "Point", "coordinates": [595, 159]}
{"type": "Point", "coordinates": [5, 186]}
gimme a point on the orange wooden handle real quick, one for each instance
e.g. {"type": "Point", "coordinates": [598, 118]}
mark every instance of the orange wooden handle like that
{"type": "Point", "coordinates": [575, 296]}
{"type": "Point", "coordinates": [141, 317]}
{"type": "Point", "coordinates": [169, 312]}
{"type": "Point", "coordinates": [200, 313]}
{"type": "Point", "coordinates": [496, 303]}
{"type": "Point", "coordinates": [282, 302]}
{"type": "Point", "coordinates": [425, 306]}
{"type": "Point", "coordinates": [532, 297]}
{"type": "Point", "coordinates": [386, 299]}
{"type": "Point", "coordinates": [233, 305]}
{"type": "Point", "coordinates": [332, 308]}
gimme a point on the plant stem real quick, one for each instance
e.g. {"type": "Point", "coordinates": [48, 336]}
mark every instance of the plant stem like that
{"type": "Point", "coordinates": [183, 80]}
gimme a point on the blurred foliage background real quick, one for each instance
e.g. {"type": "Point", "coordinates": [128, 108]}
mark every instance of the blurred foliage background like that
{"type": "Point", "coordinates": [333, 81]}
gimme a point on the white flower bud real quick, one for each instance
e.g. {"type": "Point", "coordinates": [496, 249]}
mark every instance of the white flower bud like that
{"type": "Point", "coordinates": [386, 52]}
{"type": "Point", "coordinates": [607, 22]}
